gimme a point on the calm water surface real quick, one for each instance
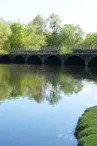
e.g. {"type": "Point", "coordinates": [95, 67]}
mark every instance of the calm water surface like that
{"type": "Point", "coordinates": [40, 106]}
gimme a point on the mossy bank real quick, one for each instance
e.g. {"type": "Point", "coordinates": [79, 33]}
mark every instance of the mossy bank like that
{"type": "Point", "coordinates": [86, 129]}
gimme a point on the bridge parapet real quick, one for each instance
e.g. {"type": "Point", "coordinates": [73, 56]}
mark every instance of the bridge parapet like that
{"type": "Point", "coordinates": [42, 50]}
{"type": "Point", "coordinates": [84, 50]}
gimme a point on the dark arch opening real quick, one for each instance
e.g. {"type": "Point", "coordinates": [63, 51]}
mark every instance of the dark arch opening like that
{"type": "Point", "coordinates": [93, 62]}
{"type": "Point", "coordinates": [18, 60]}
{"type": "Point", "coordinates": [52, 60]}
{"type": "Point", "coordinates": [74, 61]}
{"type": "Point", "coordinates": [5, 60]}
{"type": "Point", "coordinates": [34, 60]}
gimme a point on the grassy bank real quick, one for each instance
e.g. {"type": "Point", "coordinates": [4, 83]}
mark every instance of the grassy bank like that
{"type": "Point", "coordinates": [86, 129]}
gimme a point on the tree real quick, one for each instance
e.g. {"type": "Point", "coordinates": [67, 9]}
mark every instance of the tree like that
{"type": "Point", "coordinates": [52, 40]}
{"type": "Point", "coordinates": [54, 24]}
{"type": "Point", "coordinates": [71, 35]}
{"type": "Point", "coordinates": [33, 38]}
{"type": "Point", "coordinates": [79, 34]}
{"type": "Point", "coordinates": [54, 29]}
{"type": "Point", "coordinates": [91, 39]}
{"type": "Point", "coordinates": [5, 32]}
{"type": "Point", "coordinates": [40, 23]}
{"type": "Point", "coordinates": [17, 39]}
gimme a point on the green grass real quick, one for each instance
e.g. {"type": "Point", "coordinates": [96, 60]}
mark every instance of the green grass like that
{"type": "Point", "coordinates": [86, 129]}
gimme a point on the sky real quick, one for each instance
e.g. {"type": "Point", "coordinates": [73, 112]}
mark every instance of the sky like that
{"type": "Point", "coordinates": [81, 12]}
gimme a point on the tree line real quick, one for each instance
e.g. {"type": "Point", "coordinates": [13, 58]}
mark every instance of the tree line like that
{"type": "Point", "coordinates": [41, 32]}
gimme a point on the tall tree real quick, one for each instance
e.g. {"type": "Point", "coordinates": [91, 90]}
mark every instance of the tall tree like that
{"type": "Point", "coordinates": [40, 23]}
{"type": "Point", "coordinates": [54, 29]}
{"type": "Point", "coordinates": [71, 35]}
{"type": "Point", "coordinates": [34, 39]}
{"type": "Point", "coordinates": [91, 39]}
{"type": "Point", "coordinates": [17, 39]}
{"type": "Point", "coordinates": [54, 23]}
{"type": "Point", "coordinates": [5, 32]}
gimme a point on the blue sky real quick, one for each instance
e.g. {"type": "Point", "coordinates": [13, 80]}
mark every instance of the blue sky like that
{"type": "Point", "coordinates": [81, 12]}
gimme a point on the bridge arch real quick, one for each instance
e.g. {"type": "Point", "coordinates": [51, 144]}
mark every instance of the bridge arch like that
{"type": "Point", "coordinates": [18, 60]}
{"type": "Point", "coordinates": [5, 59]}
{"type": "Point", "coordinates": [34, 60]}
{"type": "Point", "coordinates": [93, 61]}
{"type": "Point", "coordinates": [52, 60]}
{"type": "Point", "coordinates": [75, 60]}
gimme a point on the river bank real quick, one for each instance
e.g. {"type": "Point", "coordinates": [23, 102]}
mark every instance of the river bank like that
{"type": "Point", "coordinates": [86, 129]}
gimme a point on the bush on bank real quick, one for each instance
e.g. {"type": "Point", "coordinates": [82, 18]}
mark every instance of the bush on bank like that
{"type": "Point", "coordinates": [86, 129]}
{"type": "Point", "coordinates": [64, 50]}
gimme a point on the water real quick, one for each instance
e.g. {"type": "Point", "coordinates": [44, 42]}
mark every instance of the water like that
{"type": "Point", "coordinates": [40, 106]}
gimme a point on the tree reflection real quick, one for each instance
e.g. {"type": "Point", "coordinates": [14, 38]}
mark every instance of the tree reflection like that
{"type": "Point", "coordinates": [5, 89]}
{"type": "Point", "coordinates": [37, 83]}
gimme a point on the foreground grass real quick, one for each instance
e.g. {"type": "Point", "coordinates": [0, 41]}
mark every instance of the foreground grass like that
{"type": "Point", "coordinates": [86, 129]}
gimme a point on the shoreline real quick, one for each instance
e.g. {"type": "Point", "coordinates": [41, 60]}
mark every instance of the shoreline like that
{"type": "Point", "coordinates": [86, 129]}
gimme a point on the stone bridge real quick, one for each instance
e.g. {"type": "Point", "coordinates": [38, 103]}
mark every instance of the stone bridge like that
{"type": "Point", "coordinates": [49, 59]}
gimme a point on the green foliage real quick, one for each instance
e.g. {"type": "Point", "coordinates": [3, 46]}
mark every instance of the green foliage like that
{"type": "Point", "coordinates": [86, 130]}
{"type": "Point", "coordinates": [91, 39]}
{"type": "Point", "coordinates": [44, 32]}
{"type": "Point", "coordinates": [34, 39]}
{"type": "Point", "coordinates": [64, 50]}
{"type": "Point", "coordinates": [17, 39]}
{"type": "Point", "coordinates": [71, 35]}
{"type": "Point", "coordinates": [52, 40]}
{"type": "Point", "coordinates": [54, 24]}
{"type": "Point", "coordinates": [40, 23]}
{"type": "Point", "coordinates": [54, 29]}
{"type": "Point", "coordinates": [5, 32]}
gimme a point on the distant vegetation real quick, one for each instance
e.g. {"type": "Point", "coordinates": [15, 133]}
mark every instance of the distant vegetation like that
{"type": "Point", "coordinates": [86, 130]}
{"type": "Point", "coordinates": [43, 32]}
